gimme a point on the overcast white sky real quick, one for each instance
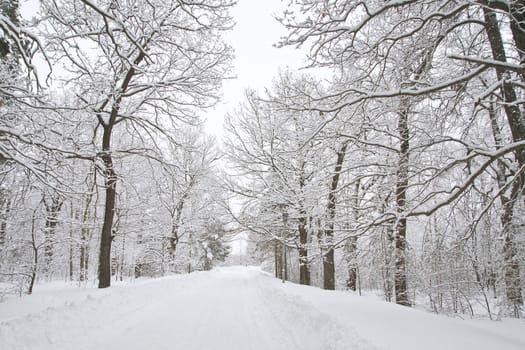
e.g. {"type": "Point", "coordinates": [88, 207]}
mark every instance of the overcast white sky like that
{"type": "Point", "coordinates": [257, 62]}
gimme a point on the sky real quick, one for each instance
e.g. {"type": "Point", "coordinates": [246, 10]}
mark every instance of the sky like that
{"type": "Point", "coordinates": [257, 61]}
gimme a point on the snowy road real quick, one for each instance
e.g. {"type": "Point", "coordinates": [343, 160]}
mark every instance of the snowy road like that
{"type": "Point", "coordinates": [233, 308]}
{"type": "Point", "coordinates": [230, 308]}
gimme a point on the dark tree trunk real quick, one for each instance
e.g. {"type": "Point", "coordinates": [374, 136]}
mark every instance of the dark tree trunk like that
{"type": "Point", "coordinates": [174, 236]}
{"type": "Point", "coordinates": [278, 259]}
{"type": "Point", "coordinates": [388, 251]}
{"type": "Point", "coordinates": [5, 207]}
{"type": "Point", "coordinates": [517, 26]}
{"type": "Point", "coordinates": [304, 268]}
{"type": "Point", "coordinates": [512, 110]}
{"type": "Point", "coordinates": [173, 241]}
{"type": "Point", "coordinates": [328, 258]}
{"type": "Point", "coordinates": [176, 215]}
{"type": "Point", "coordinates": [351, 263]}
{"type": "Point", "coordinates": [104, 261]}
{"type": "Point", "coordinates": [83, 262]}
{"type": "Point", "coordinates": [74, 217]}
{"type": "Point", "coordinates": [122, 256]}
{"type": "Point", "coordinates": [285, 263]}
{"type": "Point", "coordinates": [516, 9]}
{"type": "Point", "coordinates": [351, 243]}
{"type": "Point", "coordinates": [400, 274]}
{"type": "Point", "coordinates": [34, 246]}
{"type": "Point", "coordinates": [510, 254]}
{"type": "Point", "coordinates": [85, 235]}
{"type": "Point", "coordinates": [52, 211]}
{"type": "Point", "coordinates": [517, 126]}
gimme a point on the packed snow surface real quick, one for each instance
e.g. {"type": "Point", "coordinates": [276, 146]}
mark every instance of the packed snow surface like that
{"type": "Point", "coordinates": [234, 308]}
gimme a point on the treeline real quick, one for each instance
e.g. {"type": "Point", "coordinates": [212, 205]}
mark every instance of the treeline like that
{"type": "Point", "coordinates": [402, 169]}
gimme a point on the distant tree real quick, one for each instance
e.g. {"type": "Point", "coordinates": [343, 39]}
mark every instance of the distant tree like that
{"type": "Point", "coordinates": [214, 250]}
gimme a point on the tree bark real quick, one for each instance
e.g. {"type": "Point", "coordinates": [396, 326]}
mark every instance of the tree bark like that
{"type": "Point", "coordinates": [104, 261]}
{"type": "Point", "coordinates": [278, 259]}
{"type": "Point", "coordinates": [52, 211]}
{"type": "Point", "coordinates": [5, 207]}
{"type": "Point", "coordinates": [175, 224]}
{"type": "Point", "coordinates": [85, 236]}
{"type": "Point", "coordinates": [74, 215]}
{"type": "Point", "coordinates": [35, 249]}
{"type": "Point", "coordinates": [388, 251]}
{"type": "Point", "coordinates": [351, 243]}
{"type": "Point", "coordinates": [517, 26]}
{"type": "Point", "coordinates": [176, 215]}
{"type": "Point", "coordinates": [328, 258]}
{"type": "Point", "coordinates": [517, 126]}
{"type": "Point", "coordinates": [304, 268]}
{"type": "Point", "coordinates": [400, 274]}
{"type": "Point", "coordinates": [351, 263]}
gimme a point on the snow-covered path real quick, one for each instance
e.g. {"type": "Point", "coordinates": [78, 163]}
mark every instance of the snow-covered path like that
{"type": "Point", "coordinates": [232, 308]}
{"type": "Point", "coordinates": [228, 309]}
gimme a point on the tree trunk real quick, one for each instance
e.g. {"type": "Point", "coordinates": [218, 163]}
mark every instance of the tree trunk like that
{"type": "Point", "coordinates": [174, 236]}
{"type": "Point", "coordinates": [328, 258]}
{"type": "Point", "coordinates": [34, 247]}
{"type": "Point", "coordinates": [123, 254]}
{"type": "Point", "coordinates": [104, 260]}
{"type": "Point", "coordinates": [512, 110]}
{"type": "Point", "coordinates": [5, 207]}
{"type": "Point", "coordinates": [400, 274]}
{"type": "Point", "coordinates": [304, 268]}
{"type": "Point", "coordinates": [516, 9]}
{"type": "Point", "coordinates": [52, 211]}
{"type": "Point", "coordinates": [285, 263]}
{"type": "Point", "coordinates": [351, 244]}
{"type": "Point", "coordinates": [83, 261]}
{"type": "Point", "coordinates": [517, 26]}
{"type": "Point", "coordinates": [388, 251]}
{"type": "Point", "coordinates": [278, 259]}
{"type": "Point", "coordinates": [351, 263]}
{"type": "Point", "coordinates": [517, 126]}
{"type": "Point", "coordinates": [176, 216]}
{"type": "Point", "coordinates": [85, 235]}
{"type": "Point", "coordinates": [75, 218]}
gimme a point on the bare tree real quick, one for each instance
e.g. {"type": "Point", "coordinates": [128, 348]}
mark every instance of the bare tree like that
{"type": "Point", "coordinates": [139, 68]}
{"type": "Point", "coordinates": [368, 42]}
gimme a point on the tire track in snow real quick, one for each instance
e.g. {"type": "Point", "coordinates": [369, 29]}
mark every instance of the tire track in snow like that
{"type": "Point", "coordinates": [300, 320]}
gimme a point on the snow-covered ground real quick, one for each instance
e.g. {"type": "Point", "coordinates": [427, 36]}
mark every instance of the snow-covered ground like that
{"type": "Point", "coordinates": [234, 308]}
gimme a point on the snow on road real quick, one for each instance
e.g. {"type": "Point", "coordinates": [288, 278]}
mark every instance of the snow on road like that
{"type": "Point", "coordinates": [233, 308]}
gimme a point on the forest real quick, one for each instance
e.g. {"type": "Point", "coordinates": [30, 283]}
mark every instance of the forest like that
{"type": "Point", "coordinates": [392, 163]}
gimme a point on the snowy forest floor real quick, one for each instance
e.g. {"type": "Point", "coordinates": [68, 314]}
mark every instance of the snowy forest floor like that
{"type": "Point", "coordinates": [234, 308]}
